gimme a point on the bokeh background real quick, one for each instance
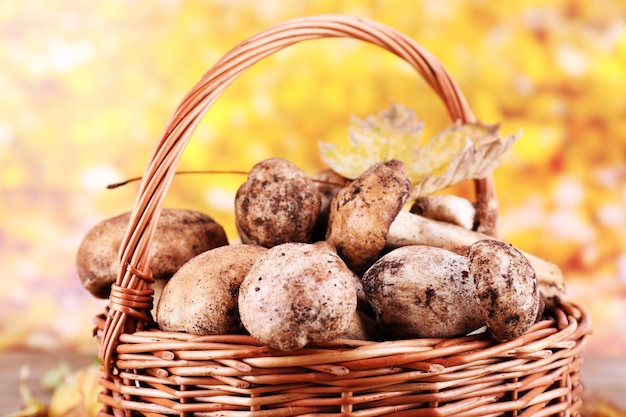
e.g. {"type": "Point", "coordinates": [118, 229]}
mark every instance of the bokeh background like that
{"type": "Point", "coordinates": [86, 88]}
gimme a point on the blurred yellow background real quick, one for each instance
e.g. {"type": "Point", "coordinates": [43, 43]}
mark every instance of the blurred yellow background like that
{"type": "Point", "coordinates": [86, 88]}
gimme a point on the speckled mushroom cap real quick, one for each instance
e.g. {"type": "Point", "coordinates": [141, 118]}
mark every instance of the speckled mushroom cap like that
{"type": "Point", "coordinates": [180, 235]}
{"type": "Point", "coordinates": [423, 291]}
{"type": "Point", "coordinates": [277, 204]}
{"type": "Point", "coordinates": [361, 213]}
{"type": "Point", "coordinates": [201, 297]}
{"type": "Point", "coordinates": [298, 293]}
{"type": "Point", "coordinates": [506, 288]}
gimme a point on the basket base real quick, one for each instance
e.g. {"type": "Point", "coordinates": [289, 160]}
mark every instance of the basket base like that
{"type": "Point", "coordinates": [164, 373]}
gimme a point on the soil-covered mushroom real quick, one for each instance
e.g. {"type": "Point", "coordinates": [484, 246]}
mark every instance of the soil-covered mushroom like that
{"type": "Point", "coordinates": [278, 203]}
{"type": "Point", "coordinates": [180, 235]}
{"type": "Point", "coordinates": [328, 183]}
{"type": "Point", "coordinates": [201, 298]}
{"type": "Point", "coordinates": [297, 293]}
{"type": "Point", "coordinates": [361, 213]}
{"type": "Point", "coordinates": [423, 291]}
{"type": "Point", "coordinates": [412, 229]}
{"type": "Point", "coordinates": [506, 288]}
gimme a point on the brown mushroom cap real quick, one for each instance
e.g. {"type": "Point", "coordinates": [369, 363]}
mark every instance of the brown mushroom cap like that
{"type": "Point", "coordinates": [180, 235]}
{"type": "Point", "coordinates": [423, 291]}
{"type": "Point", "coordinates": [506, 288]}
{"type": "Point", "coordinates": [297, 293]}
{"type": "Point", "coordinates": [201, 297]}
{"type": "Point", "coordinates": [361, 213]}
{"type": "Point", "coordinates": [278, 203]}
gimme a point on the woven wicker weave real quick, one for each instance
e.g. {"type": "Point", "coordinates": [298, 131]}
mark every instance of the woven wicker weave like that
{"type": "Point", "coordinates": [154, 373]}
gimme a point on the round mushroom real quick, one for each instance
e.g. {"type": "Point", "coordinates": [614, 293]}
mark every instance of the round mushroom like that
{"type": "Point", "coordinates": [180, 235]}
{"type": "Point", "coordinates": [506, 288]}
{"type": "Point", "coordinates": [361, 213]}
{"type": "Point", "coordinates": [297, 293]}
{"type": "Point", "coordinates": [278, 203]}
{"type": "Point", "coordinates": [201, 298]}
{"type": "Point", "coordinates": [423, 291]}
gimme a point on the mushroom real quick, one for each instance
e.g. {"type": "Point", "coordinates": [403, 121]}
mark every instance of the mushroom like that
{"type": "Point", "coordinates": [423, 291]}
{"type": "Point", "coordinates": [506, 288]}
{"type": "Point", "coordinates": [328, 183]}
{"type": "Point", "coordinates": [278, 203]}
{"type": "Point", "coordinates": [363, 327]}
{"type": "Point", "coordinates": [201, 298]}
{"type": "Point", "coordinates": [297, 293]}
{"type": "Point", "coordinates": [180, 235]}
{"type": "Point", "coordinates": [447, 208]}
{"type": "Point", "coordinates": [361, 213]}
{"type": "Point", "coordinates": [412, 229]}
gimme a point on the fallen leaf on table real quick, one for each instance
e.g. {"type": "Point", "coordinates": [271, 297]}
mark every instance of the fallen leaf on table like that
{"type": "Point", "coordinates": [32, 407]}
{"type": "Point", "coordinates": [76, 394]}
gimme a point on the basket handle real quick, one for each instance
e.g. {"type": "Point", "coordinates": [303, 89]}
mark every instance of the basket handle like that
{"type": "Point", "coordinates": [131, 295]}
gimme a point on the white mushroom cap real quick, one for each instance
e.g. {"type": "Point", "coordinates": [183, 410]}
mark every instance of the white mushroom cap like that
{"type": "Point", "coordinates": [297, 293]}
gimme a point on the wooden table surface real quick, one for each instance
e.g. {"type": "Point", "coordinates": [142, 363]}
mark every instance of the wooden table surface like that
{"type": "Point", "coordinates": [602, 376]}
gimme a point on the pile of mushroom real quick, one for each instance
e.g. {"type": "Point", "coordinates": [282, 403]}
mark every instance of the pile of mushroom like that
{"type": "Point", "coordinates": [323, 257]}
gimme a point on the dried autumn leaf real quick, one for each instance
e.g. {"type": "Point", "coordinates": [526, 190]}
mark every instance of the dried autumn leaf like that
{"type": "Point", "coordinates": [391, 134]}
{"type": "Point", "coordinates": [32, 407]}
{"type": "Point", "coordinates": [461, 152]}
{"type": "Point", "coordinates": [76, 394]}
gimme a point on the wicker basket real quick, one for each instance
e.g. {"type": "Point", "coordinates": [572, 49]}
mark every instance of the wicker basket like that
{"type": "Point", "coordinates": [154, 373]}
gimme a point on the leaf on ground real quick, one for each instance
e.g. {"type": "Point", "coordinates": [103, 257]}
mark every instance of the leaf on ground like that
{"type": "Point", "coordinates": [77, 394]}
{"type": "Point", "coordinates": [461, 152]}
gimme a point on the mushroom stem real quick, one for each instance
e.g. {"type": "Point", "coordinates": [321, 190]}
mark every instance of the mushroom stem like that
{"type": "Point", "coordinates": [412, 229]}
{"type": "Point", "coordinates": [446, 207]}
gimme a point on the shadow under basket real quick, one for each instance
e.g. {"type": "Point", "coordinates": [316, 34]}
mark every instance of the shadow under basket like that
{"type": "Point", "coordinates": [150, 372]}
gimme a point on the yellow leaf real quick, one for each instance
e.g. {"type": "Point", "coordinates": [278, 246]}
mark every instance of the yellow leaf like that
{"type": "Point", "coordinates": [391, 134]}
{"type": "Point", "coordinates": [459, 153]}
{"type": "Point", "coordinates": [462, 152]}
{"type": "Point", "coordinates": [32, 407]}
{"type": "Point", "coordinates": [77, 394]}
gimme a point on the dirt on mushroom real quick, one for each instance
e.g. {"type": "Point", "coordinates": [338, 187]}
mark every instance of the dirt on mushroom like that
{"type": "Point", "coordinates": [181, 234]}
